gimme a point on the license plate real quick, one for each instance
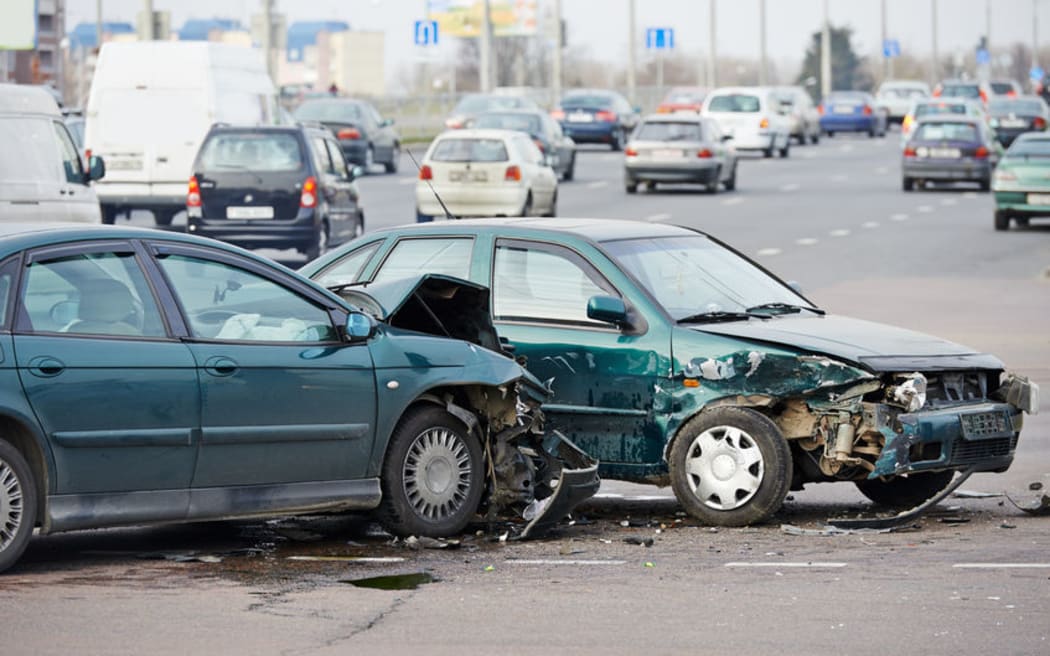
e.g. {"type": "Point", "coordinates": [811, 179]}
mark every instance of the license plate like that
{"type": "Point", "coordinates": [581, 117]}
{"type": "Point", "coordinates": [468, 176]}
{"type": "Point", "coordinates": [1039, 199]}
{"type": "Point", "coordinates": [945, 153]}
{"type": "Point", "coordinates": [124, 164]}
{"type": "Point", "coordinates": [249, 212]}
{"type": "Point", "coordinates": [843, 109]}
{"type": "Point", "coordinates": [1013, 123]}
{"type": "Point", "coordinates": [667, 154]}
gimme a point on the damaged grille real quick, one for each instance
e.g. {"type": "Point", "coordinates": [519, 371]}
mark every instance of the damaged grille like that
{"type": "Point", "coordinates": [985, 424]}
{"type": "Point", "coordinates": [953, 387]}
{"type": "Point", "coordinates": [975, 452]}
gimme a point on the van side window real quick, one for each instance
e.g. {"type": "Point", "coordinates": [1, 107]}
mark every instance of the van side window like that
{"type": "Point", "coordinates": [71, 165]}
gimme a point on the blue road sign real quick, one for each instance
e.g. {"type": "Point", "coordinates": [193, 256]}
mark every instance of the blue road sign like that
{"type": "Point", "coordinates": [1036, 74]}
{"type": "Point", "coordinates": [891, 48]}
{"type": "Point", "coordinates": [659, 38]}
{"type": "Point", "coordinates": [426, 33]}
{"type": "Point", "coordinates": [983, 57]}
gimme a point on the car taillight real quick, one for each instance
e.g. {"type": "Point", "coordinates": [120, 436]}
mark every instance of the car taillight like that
{"type": "Point", "coordinates": [1039, 123]}
{"type": "Point", "coordinates": [906, 123]}
{"type": "Point", "coordinates": [631, 152]}
{"type": "Point", "coordinates": [540, 145]}
{"type": "Point", "coordinates": [984, 96]}
{"type": "Point", "coordinates": [348, 133]}
{"type": "Point", "coordinates": [193, 193]}
{"type": "Point", "coordinates": [606, 116]}
{"type": "Point", "coordinates": [820, 109]}
{"type": "Point", "coordinates": [909, 151]}
{"type": "Point", "coordinates": [867, 110]}
{"type": "Point", "coordinates": [454, 123]}
{"type": "Point", "coordinates": [557, 114]}
{"type": "Point", "coordinates": [425, 173]}
{"type": "Point", "coordinates": [309, 196]}
{"type": "Point", "coordinates": [981, 152]}
{"type": "Point", "coordinates": [937, 91]}
{"type": "Point", "coordinates": [513, 174]}
{"type": "Point", "coordinates": [704, 154]}
{"type": "Point", "coordinates": [663, 109]}
{"type": "Point", "coordinates": [764, 123]}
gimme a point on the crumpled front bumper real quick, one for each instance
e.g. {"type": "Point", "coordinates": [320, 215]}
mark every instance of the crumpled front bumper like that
{"type": "Point", "coordinates": [578, 482]}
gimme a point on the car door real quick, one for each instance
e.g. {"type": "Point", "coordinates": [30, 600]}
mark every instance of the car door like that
{"type": "Point", "coordinates": [543, 180]}
{"type": "Point", "coordinates": [343, 209]}
{"type": "Point", "coordinates": [283, 399]}
{"type": "Point", "coordinates": [334, 192]}
{"type": "Point", "coordinates": [81, 204]}
{"type": "Point", "coordinates": [114, 391]}
{"type": "Point", "coordinates": [384, 134]}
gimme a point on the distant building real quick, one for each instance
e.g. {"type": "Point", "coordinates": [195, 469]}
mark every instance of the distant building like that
{"type": "Point", "coordinates": [211, 29]}
{"type": "Point", "coordinates": [322, 53]}
{"type": "Point", "coordinates": [44, 64]}
{"type": "Point", "coordinates": [85, 35]}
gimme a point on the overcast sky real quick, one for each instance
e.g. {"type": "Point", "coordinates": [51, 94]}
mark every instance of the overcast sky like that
{"type": "Point", "coordinates": [601, 25]}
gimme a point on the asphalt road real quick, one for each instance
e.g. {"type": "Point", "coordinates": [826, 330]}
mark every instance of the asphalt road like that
{"type": "Point", "coordinates": [972, 577]}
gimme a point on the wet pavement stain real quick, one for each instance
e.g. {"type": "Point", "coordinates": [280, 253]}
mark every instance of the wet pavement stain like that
{"type": "Point", "coordinates": [393, 581]}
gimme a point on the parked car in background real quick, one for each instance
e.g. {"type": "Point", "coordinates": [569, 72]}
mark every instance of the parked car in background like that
{"type": "Point", "coordinates": [274, 187]}
{"type": "Point", "coordinates": [851, 111]}
{"type": "Point", "coordinates": [801, 112]}
{"type": "Point", "coordinates": [537, 96]}
{"type": "Point", "coordinates": [934, 106]}
{"type": "Point", "coordinates": [74, 120]}
{"type": "Point", "coordinates": [472, 104]}
{"type": "Point", "coordinates": [150, 105]}
{"type": "Point", "coordinates": [1022, 181]}
{"type": "Point", "coordinates": [674, 358]}
{"type": "Point", "coordinates": [1004, 87]}
{"type": "Point", "coordinates": [545, 132]}
{"type": "Point", "coordinates": [679, 148]}
{"type": "Point", "coordinates": [682, 99]}
{"type": "Point", "coordinates": [1011, 117]}
{"type": "Point", "coordinates": [967, 89]}
{"type": "Point", "coordinates": [473, 172]}
{"type": "Point", "coordinates": [364, 135]}
{"type": "Point", "coordinates": [753, 117]}
{"type": "Point", "coordinates": [596, 116]}
{"type": "Point", "coordinates": [42, 176]}
{"type": "Point", "coordinates": [897, 97]}
{"type": "Point", "coordinates": [946, 148]}
{"type": "Point", "coordinates": [215, 384]}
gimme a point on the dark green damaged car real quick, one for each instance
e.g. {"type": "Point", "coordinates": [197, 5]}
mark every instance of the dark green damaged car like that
{"type": "Point", "coordinates": [151, 377]}
{"type": "Point", "coordinates": [673, 358]}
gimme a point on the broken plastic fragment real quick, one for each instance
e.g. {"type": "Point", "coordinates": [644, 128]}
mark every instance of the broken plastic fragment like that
{"type": "Point", "coordinates": [1041, 507]}
{"type": "Point", "coordinates": [912, 392]}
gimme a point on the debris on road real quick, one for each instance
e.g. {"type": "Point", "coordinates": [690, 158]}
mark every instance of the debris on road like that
{"type": "Point", "coordinates": [1041, 507]}
{"type": "Point", "coordinates": [905, 516]}
{"type": "Point", "coordinates": [972, 494]}
{"type": "Point", "coordinates": [639, 540]}
{"type": "Point", "coordinates": [825, 531]}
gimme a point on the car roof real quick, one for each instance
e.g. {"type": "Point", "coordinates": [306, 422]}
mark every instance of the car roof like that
{"type": "Point", "coordinates": [479, 133]}
{"type": "Point", "coordinates": [15, 236]}
{"type": "Point", "coordinates": [950, 118]}
{"type": "Point", "coordinates": [26, 99]}
{"type": "Point", "coordinates": [593, 230]}
{"type": "Point", "coordinates": [749, 90]}
{"type": "Point", "coordinates": [677, 117]}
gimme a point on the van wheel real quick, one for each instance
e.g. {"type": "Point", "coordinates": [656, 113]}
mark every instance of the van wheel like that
{"type": "Point", "coordinates": [109, 215]}
{"type": "Point", "coordinates": [17, 504]}
{"type": "Point", "coordinates": [164, 217]}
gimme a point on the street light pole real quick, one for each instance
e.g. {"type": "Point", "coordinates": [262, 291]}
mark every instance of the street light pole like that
{"type": "Point", "coordinates": [631, 47]}
{"type": "Point", "coordinates": [1035, 33]}
{"type": "Point", "coordinates": [764, 62]}
{"type": "Point", "coordinates": [887, 61]}
{"type": "Point", "coordinates": [825, 54]}
{"type": "Point", "coordinates": [933, 40]}
{"type": "Point", "coordinates": [556, 61]}
{"type": "Point", "coordinates": [712, 67]}
{"type": "Point", "coordinates": [485, 72]}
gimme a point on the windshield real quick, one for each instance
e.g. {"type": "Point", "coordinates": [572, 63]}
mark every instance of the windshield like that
{"type": "Point", "coordinates": [734, 103]}
{"type": "Point", "coordinates": [326, 110]}
{"type": "Point", "coordinates": [519, 122]}
{"type": "Point", "coordinates": [267, 151]}
{"type": "Point", "coordinates": [1029, 147]}
{"type": "Point", "coordinates": [946, 132]}
{"type": "Point", "coordinates": [587, 100]}
{"type": "Point", "coordinates": [1002, 88]}
{"type": "Point", "coordinates": [903, 92]}
{"type": "Point", "coordinates": [479, 104]}
{"type": "Point", "coordinates": [929, 109]}
{"type": "Point", "coordinates": [846, 98]}
{"type": "Point", "coordinates": [961, 91]}
{"type": "Point", "coordinates": [469, 150]}
{"type": "Point", "coordinates": [667, 131]}
{"type": "Point", "coordinates": [1003, 107]}
{"type": "Point", "coordinates": [691, 274]}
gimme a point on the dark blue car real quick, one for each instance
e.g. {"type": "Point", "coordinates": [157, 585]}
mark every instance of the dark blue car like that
{"type": "Point", "coordinates": [596, 116]}
{"type": "Point", "coordinates": [851, 111]}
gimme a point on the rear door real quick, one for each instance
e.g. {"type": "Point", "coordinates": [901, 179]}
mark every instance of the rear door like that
{"type": "Point", "coordinates": [342, 215]}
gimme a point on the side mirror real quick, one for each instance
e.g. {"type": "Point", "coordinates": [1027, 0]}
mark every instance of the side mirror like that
{"type": "Point", "coordinates": [354, 172]}
{"type": "Point", "coordinates": [386, 122]}
{"type": "Point", "coordinates": [608, 309]}
{"type": "Point", "coordinates": [727, 137]}
{"type": "Point", "coordinates": [359, 327]}
{"type": "Point", "coordinates": [96, 168]}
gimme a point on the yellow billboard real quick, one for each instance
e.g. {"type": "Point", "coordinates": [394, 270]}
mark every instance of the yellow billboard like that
{"type": "Point", "coordinates": [463, 18]}
{"type": "Point", "coordinates": [18, 26]}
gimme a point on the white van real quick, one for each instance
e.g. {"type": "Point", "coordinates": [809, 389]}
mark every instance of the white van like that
{"type": "Point", "coordinates": [152, 102]}
{"type": "Point", "coordinates": [42, 178]}
{"type": "Point", "coordinates": [754, 116]}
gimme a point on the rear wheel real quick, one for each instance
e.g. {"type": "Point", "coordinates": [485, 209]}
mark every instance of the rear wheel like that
{"type": "Point", "coordinates": [395, 160]}
{"type": "Point", "coordinates": [907, 184]}
{"type": "Point", "coordinates": [985, 184]}
{"type": "Point", "coordinates": [553, 211]}
{"type": "Point", "coordinates": [1002, 220]}
{"type": "Point", "coordinates": [617, 140]}
{"type": "Point", "coordinates": [768, 152]}
{"type": "Point", "coordinates": [18, 503]}
{"type": "Point", "coordinates": [905, 492]}
{"type": "Point", "coordinates": [815, 137]}
{"type": "Point", "coordinates": [830, 134]}
{"type": "Point", "coordinates": [109, 215]}
{"type": "Point", "coordinates": [712, 185]}
{"type": "Point", "coordinates": [526, 209]}
{"type": "Point", "coordinates": [570, 172]}
{"type": "Point", "coordinates": [630, 186]}
{"type": "Point", "coordinates": [786, 150]}
{"type": "Point", "coordinates": [320, 245]}
{"type": "Point", "coordinates": [164, 217]}
{"type": "Point", "coordinates": [370, 159]}
{"type": "Point", "coordinates": [730, 183]}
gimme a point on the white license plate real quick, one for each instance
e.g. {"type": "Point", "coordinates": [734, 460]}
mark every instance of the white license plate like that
{"type": "Point", "coordinates": [667, 155]}
{"type": "Point", "coordinates": [581, 117]}
{"type": "Point", "coordinates": [843, 109]}
{"type": "Point", "coordinates": [249, 212]}
{"type": "Point", "coordinates": [468, 176]}
{"type": "Point", "coordinates": [1039, 199]}
{"type": "Point", "coordinates": [945, 153]}
{"type": "Point", "coordinates": [124, 164]}
{"type": "Point", "coordinates": [1013, 123]}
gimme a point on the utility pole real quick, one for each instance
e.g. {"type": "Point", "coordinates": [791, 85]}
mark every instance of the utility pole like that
{"type": "Point", "coordinates": [147, 10]}
{"type": "Point", "coordinates": [763, 64]}
{"type": "Point", "coordinates": [1035, 33]}
{"type": "Point", "coordinates": [267, 37]}
{"type": "Point", "coordinates": [485, 72]}
{"type": "Point", "coordinates": [556, 61]}
{"type": "Point", "coordinates": [712, 64]}
{"type": "Point", "coordinates": [933, 40]}
{"type": "Point", "coordinates": [631, 47]}
{"type": "Point", "coordinates": [887, 61]}
{"type": "Point", "coordinates": [98, 23]}
{"type": "Point", "coordinates": [825, 54]}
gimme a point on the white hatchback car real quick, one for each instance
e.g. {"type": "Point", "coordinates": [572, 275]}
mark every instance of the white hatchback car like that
{"type": "Point", "coordinates": [753, 116]}
{"type": "Point", "coordinates": [485, 173]}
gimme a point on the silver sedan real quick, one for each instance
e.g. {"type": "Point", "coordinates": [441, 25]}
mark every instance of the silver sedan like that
{"type": "Point", "coordinates": [679, 148]}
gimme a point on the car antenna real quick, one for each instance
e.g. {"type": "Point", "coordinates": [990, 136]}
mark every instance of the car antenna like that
{"type": "Point", "coordinates": [448, 215]}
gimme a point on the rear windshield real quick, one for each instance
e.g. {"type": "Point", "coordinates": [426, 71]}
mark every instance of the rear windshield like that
{"type": "Point", "coordinates": [273, 151]}
{"type": "Point", "coordinates": [666, 131]}
{"type": "Point", "coordinates": [479, 104]}
{"type": "Point", "coordinates": [470, 150]}
{"type": "Point", "coordinates": [520, 122]}
{"type": "Point", "coordinates": [1028, 107]}
{"type": "Point", "coordinates": [846, 98]}
{"type": "Point", "coordinates": [947, 132]}
{"type": "Point", "coordinates": [939, 108]}
{"type": "Point", "coordinates": [961, 91]}
{"type": "Point", "coordinates": [684, 97]}
{"type": "Point", "coordinates": [342, 112]}
{"type": "Point", "coordinates": [1001, 87]}
{"type": "Point", "coordinates": [1030, 147]}
{"type": "Point", "coordinates": [735, 102]}
{"type": "Point", "coordinates": [902, 92]}
{"type": "Point", "coordinates": [587, 100]}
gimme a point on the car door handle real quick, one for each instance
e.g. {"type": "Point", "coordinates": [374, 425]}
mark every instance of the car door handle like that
{"type": "Point", "coordinates": [46, 366]}
{"type": "Point", "coordinates": [220, 365]}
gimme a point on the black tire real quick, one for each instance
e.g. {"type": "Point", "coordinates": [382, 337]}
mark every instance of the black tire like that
{"type": "Point", "coordinates": [764, 482]}
{"type": "Point", "coordinates": [872, 133]}
{"type": "Point", "coordinates": [903, 492]}
{"type": "Point", "coordinates": [395, 159]}
{"type": "Point", "coordinates": [359, 225]}
{"type": "Point", "coordinates": [570, 172]}
{"type": "Point", "coordinates": [768, 152]}
{"type": "Point", "coordinates": [711, 186]}
{"type": "Point", "coordinates": [1021, 221]}
{"type": "Point", "coordinates": [985, 184]}
{"type": "Point", "coordinates": [164, 217]}
{"type": "Point", "coordinates": [630, 186]}
{"type": "Point", "coordinates": [435, 444]}
{"type": "Point", "coordinates": [650, 186]}
{"type": "Point", "coordinates": [553, 211]}
{"type": "Point", "coordinates": [320, 243]}
{"type": "Point", "coordinates": [18, 503]}
{"type": "Point", "coordinates": [829, 133]}
{"type": "Point", "coordinates": [730, 183]}
{"type": "Point", "coordinates": [617, 141]}
{"type": "Point", "coordinates": [526, 209]}
{"type": "Point", "coordinates": [907, 184]}
{"type": "Point", "coordinates": [1002, 220]}
{"type": "Point", "coordinates": [109, 215]}
{"type": "Point", "coordinates": [786, 150]}
{"type": "Point", "coordinates": [815, 139]}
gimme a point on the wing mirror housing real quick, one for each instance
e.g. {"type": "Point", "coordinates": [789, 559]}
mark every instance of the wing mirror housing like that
{"type": "Point", "coordinates": [359, 327]}
{"type": "Point", "coordinates": [96, 168]}
{"type": "Point", "coordinates": [727, 137]}
{"type": "Point", "coordinates": [607, 309]}
{"type": "Point", "coordinates": [354, 172]}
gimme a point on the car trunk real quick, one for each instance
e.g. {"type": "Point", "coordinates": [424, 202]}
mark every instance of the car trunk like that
{"type": "Point", "coordinates": [1031, 171]}
{"type": "Point", "coordinates": [246, 195]}
{"type": "Point", "coordinates": [471, 174]}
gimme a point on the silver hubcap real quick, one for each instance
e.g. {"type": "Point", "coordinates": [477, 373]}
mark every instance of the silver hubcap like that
{"type": "Point", "coordinates": [724, 467]}
{"type": "Point", "coordinates": [437, 473]}
{"type": "Point", "coordinates": [10, 505]}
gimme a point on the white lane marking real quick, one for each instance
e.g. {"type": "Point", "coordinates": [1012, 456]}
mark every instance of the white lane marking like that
{"type": "Point", "coordinates": [791, 186]}
{"type": "Point", "coordinates": [735, 200]}
{"type": "Point", "coordinates": [657, 217]}
{"type": "Point", "coordinates": [1001, 565]}
{"type": "Point", "coordinates": [806, 241]}
{"type": "Point", "coordinates": [841, 232]}
{"type": "Point", "coordinates": [870, 224]}
{"type": "Point", "coordinates": [406, 181]}
{"type": "Point", "coordinates": [809, 154]}
{"type": "Point", "coordinates": [948, 202]}
{"type": "Point", "coordinates": [597, 184]}
{"type": "Point", "coordinates": [785, 565]}
{"type": "Point", "coordinates": [841, 177]}
{"type": "Point", "coordinates": [898, 217]}
{"type": "Point", "coordinates": [925, 209]}
{"type": "Point", "coordinates": [544, 561]}
{"type": "Point", "coordinates": [882, 170]}
{"type": "Point", "coordinates": [765, 252]}
{"type": "Point", "coordinates": [846, 148]}
{"type": "Point", "coordinates": [351, 559]}
{"type": "Point", "coordinates": [969, 194]}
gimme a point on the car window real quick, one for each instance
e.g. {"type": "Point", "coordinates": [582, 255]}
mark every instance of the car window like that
{"type": "Point", "coordinates": [1001, 87]}
{"type": "Point", "coordinates": [519, 122]}
{"type": "Point", "coordinates": [329, 110]}
{"type": "Point", "coordinates": [961, 91]}
{"type": "Point", "coordinates": [410, 257]}
{"type": "Point", "coordinates": [469, 150]}
{"type": "Point", "coordinates": [347, 268]}
{"type": "Point", "coordinates": [338, 161]}
{"type": "Point", "coordinates": [71, 166]}
{"type": "Point", "coordinates": [227, 303]}
{"type": "Point", "coordinates": [735, 102]}
{"type": "Point", "coordinates": [928, 109]}
{"type": "Point", "coordinates": [252, 151]}
{"type": "Point", "coordinates": [543, 283]}
{"type": "Point", "coordinates": [90, 294]}
{"type": "Point", "coordinates": [667, 131]}
{"type": "Point", "coordinates": [1030, 147]}
{"type": "Point", "coordinates": [946, 131]}
{"type": "Point", "coordinates": [7, 278]}
{"type": "Point", "coordinates": [321, 157]}
{"type": "Point", "coordinates": [28, 153]}
{"type": "Point", "coordinates": [599, 101]}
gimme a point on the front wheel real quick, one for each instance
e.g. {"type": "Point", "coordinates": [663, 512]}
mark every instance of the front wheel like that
{"type": "Point", "coordinates": [730, 467]}
{"type": "Point", "coordinates": [320, 243]}
{"type": "Point", "coordinates": [433, 475]}
{"type": "Point", "coordinates": [903, 492]}
{"type": "Point", "coordinates": [395, 160]}
{"type": "Point", "coordinates": [1002, 220]}
{"type": "Point", "coordinates": [570, 172]}
{"type": "Point", "coordinates": [18, 501]}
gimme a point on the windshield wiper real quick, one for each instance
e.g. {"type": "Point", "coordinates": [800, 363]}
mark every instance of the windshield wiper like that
{"type": "Point", "coordinates": [777, 307]}
{"type": "Point", "coordinates": [719, 315]}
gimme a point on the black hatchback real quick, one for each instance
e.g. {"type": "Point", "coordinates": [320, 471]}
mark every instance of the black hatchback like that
{"type": "Point", "coordinates": [274, 187]}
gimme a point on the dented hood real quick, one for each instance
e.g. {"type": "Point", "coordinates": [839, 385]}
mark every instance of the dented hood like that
{"type": "Point", "coordinates": [390, 296]}
{"type": "Point", "coordinates": [874, 346]}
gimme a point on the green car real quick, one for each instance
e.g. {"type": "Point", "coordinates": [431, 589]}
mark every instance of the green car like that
{"type": "Point", "coordinates": [674, 358]}
{"type": "Point", "coordinates": [1022, 181]}
{"type": "Point", "coordinates": [151, 377]}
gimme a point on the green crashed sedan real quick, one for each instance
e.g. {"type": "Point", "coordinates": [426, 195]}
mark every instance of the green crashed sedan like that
{"type": "Point", "coordinates": [151, 377]}
{"type": "Point", "coordinates": [674, 358]}
{"type": "Point", "coordinates": [1022, 181]}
